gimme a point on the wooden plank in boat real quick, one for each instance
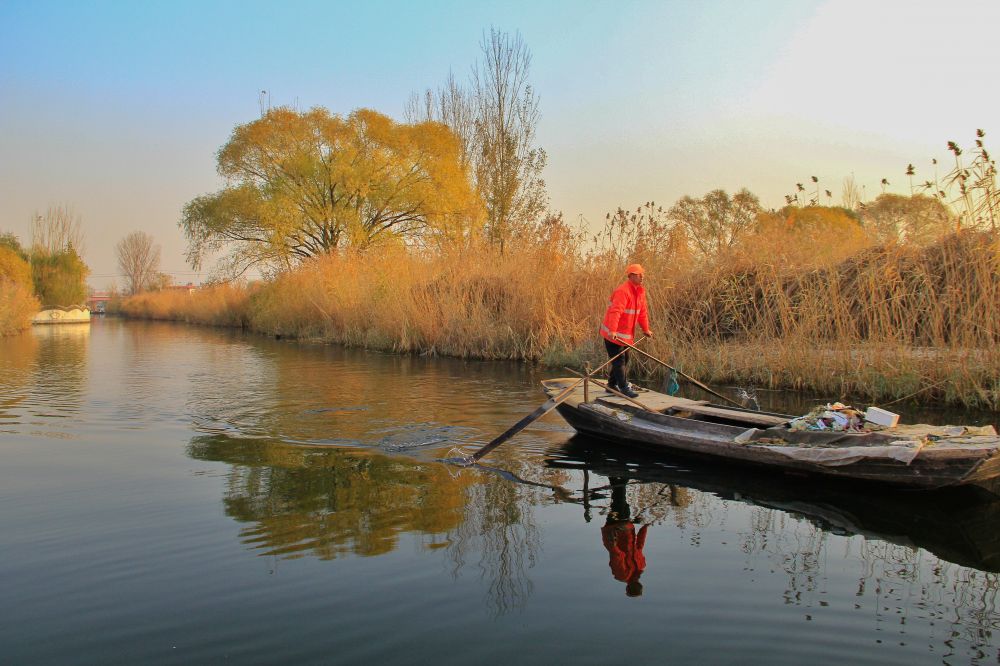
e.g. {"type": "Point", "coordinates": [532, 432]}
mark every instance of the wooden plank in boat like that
{"type": "Point", "coordinates": [656, 401]}
{"type": "Point", "coordinates": [661, 402]}
{"type": "Point", "coordinates": [723, 413]}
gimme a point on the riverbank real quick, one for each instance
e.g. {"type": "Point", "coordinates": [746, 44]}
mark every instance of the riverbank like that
{"type": "Point", "coordinates": [881, 324]}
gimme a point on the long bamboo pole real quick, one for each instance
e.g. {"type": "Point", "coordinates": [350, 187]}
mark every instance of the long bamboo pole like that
{"type": "Point", "coordinates": [687, 377]}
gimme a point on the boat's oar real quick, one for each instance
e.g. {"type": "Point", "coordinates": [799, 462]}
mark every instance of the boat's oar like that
{"type": "Point", "coordinates": [687, 377]}
{"type": "Point", "coordinates": [545, 408]}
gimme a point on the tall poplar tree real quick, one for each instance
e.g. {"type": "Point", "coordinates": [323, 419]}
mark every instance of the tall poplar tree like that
{"type": "Point", "coordinates": [496, 116]}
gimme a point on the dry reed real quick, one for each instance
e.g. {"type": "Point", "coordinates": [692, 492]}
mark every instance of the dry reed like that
{"type": "Point", "coordinates": [17, 306]}
{"type": "Point", "coordinates": [863, 322]}
{"type": "Point", "coordinates": [885, 323]}
{"type": "Point", "coordinates": [215, 305]}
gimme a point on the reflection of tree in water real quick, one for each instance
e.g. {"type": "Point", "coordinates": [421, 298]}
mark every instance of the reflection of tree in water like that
{"type": "Point", "coordinates": [20, 355]}
{"type": "Point", "coordinates": [47, 371]}
{"type": "Point", "coordinates": [655, 503]}
{"type": "Point", "coordinates": [902, 583]}
{"type": "Point", "coordinates": [899, 579]}
{"type": "Point", "coordinates": [329, 502]}
{"type": "Point", "coordinates": [499, 525]}
{"type": "Point", "coordinates": [43, 378]}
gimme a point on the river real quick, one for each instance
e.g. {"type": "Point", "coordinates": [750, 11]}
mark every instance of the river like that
{"type": "Point", "coordinates": [173, 494]}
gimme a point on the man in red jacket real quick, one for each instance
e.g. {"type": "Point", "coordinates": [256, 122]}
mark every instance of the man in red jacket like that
{"type": "Point", "coordinates": [626, 309]}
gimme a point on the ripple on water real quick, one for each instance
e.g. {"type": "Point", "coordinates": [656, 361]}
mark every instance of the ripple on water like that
{"type": "Point", "coordinates": [409, 437]}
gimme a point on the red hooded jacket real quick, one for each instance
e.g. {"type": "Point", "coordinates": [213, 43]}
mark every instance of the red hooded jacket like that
{"type": "Point", "coordinates": [626, 308]}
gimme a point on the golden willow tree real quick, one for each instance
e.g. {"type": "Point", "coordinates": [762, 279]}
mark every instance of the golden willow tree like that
{"type": "Point", "coordinates": [299, 185]}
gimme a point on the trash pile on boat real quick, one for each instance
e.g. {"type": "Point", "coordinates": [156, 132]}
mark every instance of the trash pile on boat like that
{"type": "Point", "coordinates": [838, 417]}
{"type": "Point", "coordinates": [834, 417]}
{"type": "Point", "coordinates": [836, 434]}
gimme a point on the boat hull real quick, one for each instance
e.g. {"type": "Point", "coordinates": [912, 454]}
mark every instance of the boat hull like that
{"type": "Point", "coordinates": [624, 423]}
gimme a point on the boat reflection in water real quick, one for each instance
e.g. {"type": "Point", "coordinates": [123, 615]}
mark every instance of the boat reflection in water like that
{"type": "Point", "coordinates": [957, 525]}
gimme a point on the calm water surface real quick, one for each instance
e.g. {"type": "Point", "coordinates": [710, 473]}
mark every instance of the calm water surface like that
{"type": "Point", "coordinates": [172, 494]}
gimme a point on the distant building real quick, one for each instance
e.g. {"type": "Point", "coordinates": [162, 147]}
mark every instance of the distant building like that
{"type": "Point", "coordinates": [189, 288]}
{"type": "Point", "coordinates": [98, 301]}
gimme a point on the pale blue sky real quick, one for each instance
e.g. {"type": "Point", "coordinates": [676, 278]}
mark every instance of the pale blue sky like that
{"type": "Point", "coordinates": [117, 108]}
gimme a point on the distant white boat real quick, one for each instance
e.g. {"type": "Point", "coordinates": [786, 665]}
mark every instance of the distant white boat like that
{"type": "Point", "coordinates": [75, 314]}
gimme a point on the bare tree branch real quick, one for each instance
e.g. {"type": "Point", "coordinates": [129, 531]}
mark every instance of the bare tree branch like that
{"type": "Point", "coordinates": [139, 261]}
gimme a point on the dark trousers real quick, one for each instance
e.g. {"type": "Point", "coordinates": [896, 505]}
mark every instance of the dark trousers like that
{"type": "Point", "coordinates": [616, 376]}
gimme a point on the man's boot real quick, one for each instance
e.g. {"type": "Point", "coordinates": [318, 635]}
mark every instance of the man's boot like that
{"type": "Point", "coordinates": [626, 389]}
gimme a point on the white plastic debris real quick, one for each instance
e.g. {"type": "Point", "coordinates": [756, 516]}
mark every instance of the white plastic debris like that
{"type": "Point", "coordinates": [881, 417]}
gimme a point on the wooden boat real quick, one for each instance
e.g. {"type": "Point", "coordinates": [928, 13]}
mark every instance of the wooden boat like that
{"type": "Point", "coordinates": [918, 456]}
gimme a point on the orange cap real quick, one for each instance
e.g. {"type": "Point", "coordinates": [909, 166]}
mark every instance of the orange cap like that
{"type": "Point", "coordinates": [634, 268]}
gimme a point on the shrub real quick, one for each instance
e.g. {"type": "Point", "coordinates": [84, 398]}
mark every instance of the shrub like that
{"type": "Point", "coordinates": [14, 267]}
{"type": "Point", "coordinates": [17, 306]}
{"type": "Point", "coordinates": [59, 278]}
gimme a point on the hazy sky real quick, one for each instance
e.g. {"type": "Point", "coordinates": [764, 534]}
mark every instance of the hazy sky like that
{"type": "Point", "coordinates": [118, 108]}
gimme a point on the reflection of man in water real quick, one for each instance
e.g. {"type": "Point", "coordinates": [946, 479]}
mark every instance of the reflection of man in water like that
{"type": "Point", "coordinates": [623, 544]}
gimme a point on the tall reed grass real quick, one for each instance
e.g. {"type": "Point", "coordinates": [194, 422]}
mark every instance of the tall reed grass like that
{"type": "Point", "coordinates": [215, 305]}
{"type": "Point", "coordinates": [471, 303]}
{"type": "Point", "coordinates": [885, 323]}
{"type": "Point", "coordinates": [863, 321]}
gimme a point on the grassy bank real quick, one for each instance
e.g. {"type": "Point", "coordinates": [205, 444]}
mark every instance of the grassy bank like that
{"type": "Point", "coordinates": [871, 322]}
